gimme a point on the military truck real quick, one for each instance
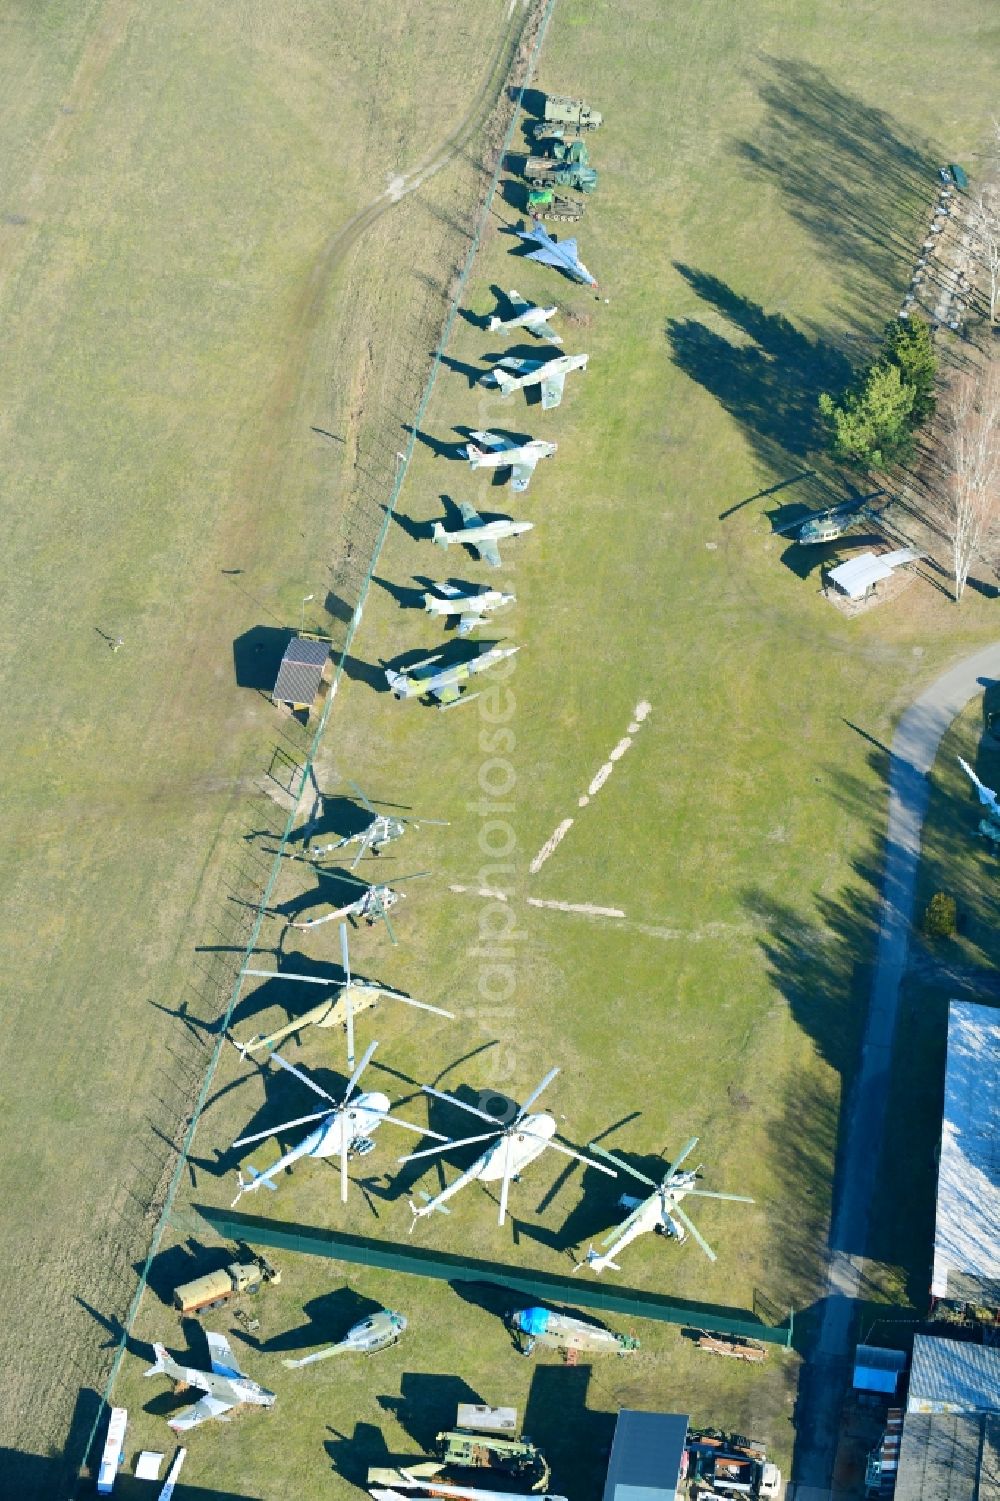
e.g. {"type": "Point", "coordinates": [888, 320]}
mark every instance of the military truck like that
{"type": "Point", "coordinates": [544, 204]}
{"type": "Point", "coordinates": [217, 1288]}
{"type": "Point", "coordinates": [484, 1438]}
{"type": "Point", "coordinates": [542, 173]}
{"type": "Point", "coordinates": [563, 111]}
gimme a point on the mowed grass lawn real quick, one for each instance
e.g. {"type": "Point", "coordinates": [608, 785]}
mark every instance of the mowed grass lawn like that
{"type": "Point", "coordinates": [766, 177]}
{"type": "Point", "coordinates": [174, 324]}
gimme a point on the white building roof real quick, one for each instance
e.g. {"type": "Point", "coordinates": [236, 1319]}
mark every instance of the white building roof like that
{"type": "Point", "coordinates": [967, 1224]}
{"type": "Point", "coordinates": [951, 1375]}
{"type": "Point", "coordinates": [857, 575]}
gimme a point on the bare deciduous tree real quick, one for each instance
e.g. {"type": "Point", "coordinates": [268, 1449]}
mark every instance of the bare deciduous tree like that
{"type": "Point", "coordinates": [986, 224]}
{"type": "Point", "coordinates": [972, 494]}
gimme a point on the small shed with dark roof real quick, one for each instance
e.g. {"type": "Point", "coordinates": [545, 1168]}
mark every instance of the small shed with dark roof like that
{"type": "Point", "coordinates": [301, 671]}
{"type": "Point", "coordinates": [647, 1456]}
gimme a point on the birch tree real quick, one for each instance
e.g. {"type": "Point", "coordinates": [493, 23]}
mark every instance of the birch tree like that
{"type": "Point", "coordinates": [972, 510]}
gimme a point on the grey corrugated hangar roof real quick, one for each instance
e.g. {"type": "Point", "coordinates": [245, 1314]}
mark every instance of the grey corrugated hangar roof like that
{"type": "Point", "coordinates": [646, 1456]}
{"type": "Point", "coordinates": [301, 671]}
{"type": "Point", "coordinates": [949, 1457]}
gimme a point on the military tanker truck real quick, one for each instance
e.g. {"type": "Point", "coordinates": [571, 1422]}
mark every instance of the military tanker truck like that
{"type": "Point", "coordinates": [541, 173]}
{"type": "Point", "coordinates": [560, 110]}
{"type": "Point", "coordinates": [216, 1288]}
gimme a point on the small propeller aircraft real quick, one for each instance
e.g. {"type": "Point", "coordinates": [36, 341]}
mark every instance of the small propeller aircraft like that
{"type": "Point", "coordinates": [225, 1386]}
{"type": "Point", "coordinates": [491, 451]}
{"type": "Point", "coordinates": [470, 602]}
{"type": "Point", "coordinates": [373, 838]}
{"type": "Point", "coordinates": [527, 316]}
{"type": "Point", "coordinates": [827, 526]}
{"type": "Point", "coordinates": [373, 904]}
{"type": "Point", "coordinates": [447, 685]}
{"type": "Point", "coordinates": [562, 254]}
{"type": "Point", "coordinates": [482, 536]}
{"type": "Point", "coordinates": [516, 1145]}
{"type": "Point", "coordinates": [345, 1129]}
{"type": "Point", "coordinates": [333, 1011]}
{"type": "Point", "coordinates": [661, 1211]}
{"type": "Point", "coordinates": [512, 374]}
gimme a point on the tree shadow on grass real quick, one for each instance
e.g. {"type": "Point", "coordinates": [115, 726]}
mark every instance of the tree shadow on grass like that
{"type": "Point", "coordinates": [851, 174]}
{"type": "Point", "coordinates": [768, 375]}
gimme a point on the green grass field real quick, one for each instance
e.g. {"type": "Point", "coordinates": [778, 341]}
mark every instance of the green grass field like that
{"type": "Point", "coordinates": [178, 343]}
{"type": "Point", "coordinates": [178, 323]}
{"type": "Point", "coordinates": [766, 179]}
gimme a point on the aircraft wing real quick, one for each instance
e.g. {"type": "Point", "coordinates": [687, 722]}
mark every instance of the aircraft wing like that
{"type": "Point", "coordinates": [222, 1357]}
{"type": "Point", "coordinates": [521, 472]}
{"type": "Point", "coordinates": [517, 302]}
{"type": "Point", "coordinates": [470, 515]}
{"type": "Point", "coordinates": [488, 551]}
{"type": "Point", "coordinates": [552, 390]}
{"type": "Point", "coordinates": [540, 326]}
{"type": "Point", "coordinates": [190, 1417]}
{"type": "Point", "coordinates": [450, 694]}
{"type": "Point", "coordinates": [468, 621]}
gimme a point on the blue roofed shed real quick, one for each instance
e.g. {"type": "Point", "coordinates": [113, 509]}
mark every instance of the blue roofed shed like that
{"type": "Point", "coordinates": [647, 1456]}
{"type": "Point", "coordinates": [876, 1369]}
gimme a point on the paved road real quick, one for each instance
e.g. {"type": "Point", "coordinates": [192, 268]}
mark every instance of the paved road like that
{"type": "Point", "coordinates": [914, 748]}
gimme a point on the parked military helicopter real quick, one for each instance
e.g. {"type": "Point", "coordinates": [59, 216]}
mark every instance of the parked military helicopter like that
{"type": "Point", "coordinates": [491, 451]}
{"type": "Point", "coordinates": [527, 316]}
{"type": "Point", "coordinates": [470, 602]}
{"type": "Point", "coordinates": [517, 1145]}
{"type": "Point", "coordinates": [373, 904]}
{"type": "Point", "coordinates": [482, 536]}
{"type": "Point", "coordinates": [512, 374]}
{"type": "Point", "coordinates": [445, 684]}
{"type": "Point", "coordinates": [373, 838]}
{"type": "Point", "coordinates": [827, 526]}
{"type": "Point", "coordinates": [661, 1211]}
{"type": "Point", "coordinates": [333, 1011]}
{"type": "Point", "coordinates": [377, 1332]}
{"type": "Point", "coordinates": [225, 1386]}
{"type": "Point", "coordinates": [345, 1128]}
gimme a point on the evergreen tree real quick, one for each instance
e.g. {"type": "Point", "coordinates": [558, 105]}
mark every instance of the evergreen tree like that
{"type": "Point", "coordinates": [909, 346]}
{"type": "Point", "coordinates": [871, 426]}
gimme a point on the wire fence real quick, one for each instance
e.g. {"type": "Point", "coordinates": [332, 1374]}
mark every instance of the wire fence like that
{"type": "Point", "coordinates": [512, 92]}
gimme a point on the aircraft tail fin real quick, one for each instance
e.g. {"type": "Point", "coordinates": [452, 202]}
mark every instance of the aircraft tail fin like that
{"type": "Point", "coordinates": [256, 1180]}
{"type": "Point", "coordinates": [505, 381]}
{"type": "Point", "coordinates": [494, 324]}
{"type": "Point", "coordinates": [160, 1365]}
{"type": "Point", "coordinates": [597, 1261]}
{"type": "Point", "coordinates": [439, 535]}
{"type": "Point", "coordinates": [474, 455]}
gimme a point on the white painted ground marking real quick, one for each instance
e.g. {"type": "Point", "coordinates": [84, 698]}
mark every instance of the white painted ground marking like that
{"type": "Point", "coordinates": [584, 907]}
{"type": "Point", "coordinates": [496, 896]}
{"type": "Point", "coordinates": [549, 845]}
{"type": "Point", "coordinates": [639, 714]}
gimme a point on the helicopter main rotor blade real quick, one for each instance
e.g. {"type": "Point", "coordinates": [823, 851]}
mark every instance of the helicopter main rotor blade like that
{"type": "Point", "coordinates": [505, 1184]}
{"type": "Point", "coordinates": [619, 1163]}
{"type": "Point", "coordinates": [278, 974]}
{"type": "Point", "coordinates": [388, 926]}
{"type": "Point", "coordinates": [413, 876]}
{"type": "Point", "coordinates": [361, 795]}
{"type": "Point", "coordinates": [693, 1228]}
{"type": "Point", "coordinates": [344, 1143]}
{"type": "Point", "coordinates": [451, 1099]}
{"type": "Point", "coordinates": [352, 1081]}
{"type": "Point", "coordinates": [345, 960]}
{"type": "Point", "coordinates": [684, 1152]}
{"type": "Point", "coordinates": [304, 1079]}
{"type": "Point", "coordinates": [408, 1000]}
{"type": "Point", "coordinates": [708, 1193]}
{"type": "Point", "coordinates": [300, 1120]}
{"type": "Point", "coordinates": [557, 1146]}
{"type": "Point", "coordinates": [533, 1096]}
{"type": "Point", "coordinates": [439, 823]}
{"type": "Point", "coordinates": [397, 1120]}
{"type": "Point", "coordinates": [465, 1141]}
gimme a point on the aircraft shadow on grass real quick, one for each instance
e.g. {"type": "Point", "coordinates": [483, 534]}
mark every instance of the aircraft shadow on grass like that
{"type": "Point", "coordinates": [328, 1317]}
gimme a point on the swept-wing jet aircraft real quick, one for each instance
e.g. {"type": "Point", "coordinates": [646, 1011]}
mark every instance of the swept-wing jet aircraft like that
{"type": "Point", "coordinates": [469, 602]}
{"type": "Point", "coordinates": [225, 1386]}
{"type": "Point", "coordinates": [512, 375]}
{"type": "Point", "coordinates": [528, 316]}
{"type": "Point", "coordinates": [491, 451]}
{"type": "Point", "coordinates": [559, 253]}
{"type": "Point", "coordinates": [481, 535]}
